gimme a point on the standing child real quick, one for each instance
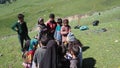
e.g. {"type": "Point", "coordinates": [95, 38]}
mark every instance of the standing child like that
{"type": "Point", "coordinates": [42, 28]}
{"type": "Point", "coordinates": [51, 25]}
{"type": "Point", "coordinates": [21, 28]}
{"type": "Point", "coordinates": [75, 62]}
{"type": "Point", "coordinates": [65, 29]}
{"type": "Point", "coordinates": [57, 34]}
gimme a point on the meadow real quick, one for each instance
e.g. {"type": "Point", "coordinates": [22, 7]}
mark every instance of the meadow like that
{"type": "Point", "coordinates": [100, 49]}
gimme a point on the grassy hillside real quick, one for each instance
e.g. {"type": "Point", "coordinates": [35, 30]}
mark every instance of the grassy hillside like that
{"type": "Point", "coordinates": [100, 50]}
{"type": "Point", "coordinates": [42, 8]}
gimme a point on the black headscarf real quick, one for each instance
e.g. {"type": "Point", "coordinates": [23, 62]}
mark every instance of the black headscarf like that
{"type": "Point", "coordinates": [50, 57]}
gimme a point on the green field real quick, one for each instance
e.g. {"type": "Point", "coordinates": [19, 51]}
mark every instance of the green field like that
{"type": "Point", "coordinates": [100, 49]}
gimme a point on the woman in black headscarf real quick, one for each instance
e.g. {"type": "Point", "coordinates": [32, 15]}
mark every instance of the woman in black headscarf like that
{"type": "Point", "coordinates": [50, 57]}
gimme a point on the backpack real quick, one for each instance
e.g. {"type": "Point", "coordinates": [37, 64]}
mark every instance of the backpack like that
{"type": "Point", "coordinates": [95, 23]}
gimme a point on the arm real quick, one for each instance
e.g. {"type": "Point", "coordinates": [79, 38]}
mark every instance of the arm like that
{"type": "Point", "coordinates": [26, 29]}
{"type": "Point", "coordinates": [14, 27]}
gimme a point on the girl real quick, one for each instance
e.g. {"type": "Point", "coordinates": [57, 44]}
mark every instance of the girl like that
{"type": "Point", "coordinates": [42, 28]}
{"type": "Point", "coordinates": [65, 29]}
{"type": "Point", "coordinates": [57, 34]}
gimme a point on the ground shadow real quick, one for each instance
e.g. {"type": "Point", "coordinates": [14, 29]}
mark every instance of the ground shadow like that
{"type": "Point", "coordinates": [89, 63]}
{"type": "Point", "coordinates": [84, 48]}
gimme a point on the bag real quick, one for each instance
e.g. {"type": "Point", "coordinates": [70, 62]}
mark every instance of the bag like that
{"type": "Point", "coordinates": [95, 23]}
{"type": "Point", "coordinates": [84, 28]}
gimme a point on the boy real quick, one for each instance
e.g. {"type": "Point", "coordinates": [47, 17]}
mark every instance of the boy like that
{"type": "Point", "coordinates": [51, 25]}
{"type": "Point", "coordinates": [21, 28]}
{"type": "Point", "coordinates": [39, 53]}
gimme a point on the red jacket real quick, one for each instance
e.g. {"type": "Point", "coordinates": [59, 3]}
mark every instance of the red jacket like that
{"type": "Point", "coordinates": [51, 26]}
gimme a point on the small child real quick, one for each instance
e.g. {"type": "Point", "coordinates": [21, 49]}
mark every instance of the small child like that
{"type": "Point", "coordinates": [21, 28]}
{"type": "Point", "coordinates": [65, 29]}
{"type": "Point", "coordinates": [57, 34]}
{"type": "Point", "coordinates": [75, 62]}
{"type": "Point", "coordinates": [51, 25]}
{"type": "Point", "coordinates": [42, 28]}
{"type": "Point", "coordinates": [29, 53]}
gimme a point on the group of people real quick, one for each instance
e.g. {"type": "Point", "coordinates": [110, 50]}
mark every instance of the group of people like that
{"type": "Point", "coordinates": [55, 46]}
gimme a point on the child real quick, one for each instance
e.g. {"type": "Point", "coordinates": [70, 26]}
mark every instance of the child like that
{"type": "Point", "coordinates": [39, 53]}
{"type": "Point", "coordinates": [76, 43]}
{"type": "Point", "coordinates": [21, 28]}
{"type": "Point", "coordinates": [51, 25]}
{"type": "Point", "coordinates": [42, 28]}
{"type": "Point", "coordinates": [28, 55]}
{"type": "Point", "coordinates": [65, 29]}
{"type": "Point", "coordinates": [72, 41]}
{"type": "Point", "coordinates": [75, 62]}
{"type": "Point", "coordinates": [57, 34]}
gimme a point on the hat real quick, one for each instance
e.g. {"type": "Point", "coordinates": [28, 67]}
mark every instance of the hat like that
{"type": "Point", "coordinates": [70, 37]}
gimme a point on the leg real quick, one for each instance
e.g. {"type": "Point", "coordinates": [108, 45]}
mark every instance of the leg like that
{"type": "Point", "coordinates": [27, 37]}
{"type": "Point", "coordinates": [21, 40]}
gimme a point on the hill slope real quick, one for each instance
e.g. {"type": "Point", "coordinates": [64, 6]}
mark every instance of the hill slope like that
{"type": "Point", "coordinates": [101, 49]}
{"type": "Point", "coordinates": [42, 8]}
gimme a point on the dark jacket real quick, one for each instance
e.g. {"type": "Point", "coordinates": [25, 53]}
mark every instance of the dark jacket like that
{"type": "Point", "coordinates": [50, 58]}
{"type": "Point", "coordinates": [21, 28]}
{"type": "Point", "coordinates": [39, 54]}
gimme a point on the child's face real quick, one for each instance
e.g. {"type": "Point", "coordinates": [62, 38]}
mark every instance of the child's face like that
{"type": "Point", "coordinates": [65, 24]}
{"type": "Point", "coordinates": [51, 19]}
{"type": "Point", "coordinates": [21, 19]}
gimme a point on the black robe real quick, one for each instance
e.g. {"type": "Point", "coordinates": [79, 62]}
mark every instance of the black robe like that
{"type": "Point", "coordinates": [50, 57]}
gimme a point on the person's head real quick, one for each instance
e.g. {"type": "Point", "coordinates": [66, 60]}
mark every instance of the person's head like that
{"type": "Point", "coordinates": [59, 21]}
{"type": "Point", "coordinates": [44, 40]}
{"type": "Point", "coordinates": [40, 21]}
{"type": "Point", "coordinates": [51, 16]}
{"type": "Point", "coordinates": [65, 22]}
{"type": "Point", "coordinates": [75, 50]}
{"type": "Point", "coordinates": [21, 17]}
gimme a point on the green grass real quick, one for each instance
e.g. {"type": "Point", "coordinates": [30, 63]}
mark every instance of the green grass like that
{"type": "Point", "coordinates": [102, 48]}
{"type": "Point", "coordinates": [42, 8]}
{"type": "Point", "coordinates": [102, 45]}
